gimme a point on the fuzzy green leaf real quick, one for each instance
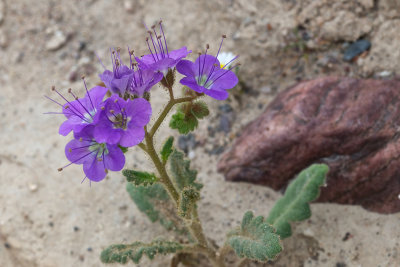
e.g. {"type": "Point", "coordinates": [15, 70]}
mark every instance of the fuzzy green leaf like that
{"type": "Point", "coordinates": [200, 109]}
{"type": "Point", "coordinates": [187, 201]}
{"type": "Point", "coordinates": [121, 253]}
{"type": "Point", "coordinates": [145, 196]}
{"type": "Point", "coordinates": [255, 239]}
{"type": "Point", "coordinates": [139, 178]}
{"type": "Point", "coordinates": [182, 175]}
{"type": "Point", "coordinates": [183, 122]}
{"type": "Point", "coordinates": [167, 149]}
{"type": "Point", "coordinates": [154, 201]}
{"type": "Point", "coordinates": [294, 205]}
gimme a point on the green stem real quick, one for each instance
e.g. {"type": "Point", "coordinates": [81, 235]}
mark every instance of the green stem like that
{"type": "Point", "coordinates": [167, 108]}
{"type": "Point", "coordinates": [194, 227]}
{"type": "Point", "coordinates": [164, 178]}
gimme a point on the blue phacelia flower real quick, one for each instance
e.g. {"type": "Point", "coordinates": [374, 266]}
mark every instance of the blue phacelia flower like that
{"type": "Point", "coordinates": [95, 157]}
{"type": "Point", "coordinates": [142, 79]}
{"type": "Point", "coordinates": [206, 75]}
{"type": "Point", "coordinates": [119, 79]}
{"type": "Point", "coordinates": [160, 58]}
{"type": "Point", "coordinates": [82, 111]}
{"type": "Point", "coordinates": [122, 121]}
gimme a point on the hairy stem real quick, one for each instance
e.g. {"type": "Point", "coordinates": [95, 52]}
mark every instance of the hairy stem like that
{"type": "Point", "coordinates": [167, 108]}
{"type": "Point", "coordinates": [194, 225]}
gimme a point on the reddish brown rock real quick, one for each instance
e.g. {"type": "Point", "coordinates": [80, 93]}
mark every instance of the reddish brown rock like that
{"type": "Point", "coordinates": [351, 125]}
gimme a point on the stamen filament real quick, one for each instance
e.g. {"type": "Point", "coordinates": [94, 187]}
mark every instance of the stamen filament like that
{"type": "Point", "coordinates": [77, 99]}
{"type": "Point", "coordinates": [87, 92]}
{"type": "Point", "coordinates": [165, 41]}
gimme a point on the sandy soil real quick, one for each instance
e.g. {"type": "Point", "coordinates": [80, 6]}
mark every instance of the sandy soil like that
{"type": "Point", "coordinates": [49, 218]}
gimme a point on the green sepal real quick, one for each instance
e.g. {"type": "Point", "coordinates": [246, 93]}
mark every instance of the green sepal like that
{"type": "Point", "coordinates": [167, 149]}
{"type": "Point", "coordinates": [294, 205]}
{"type": "Point", "coordinates": [168, 80]}
{"type": "Point", "coordinates": [122, 253]}
{"type": "Point", "coordinates": [187, 201]}
{"type": "Point", "coordinates": [200, 109]}
{"type": "Point", "coordinates": [123, 149]}
{"type": "Point", "coordinates": [255, 239]}
{"type": "Point", "coordinates": [183, 122]}
{"type": "Point", "coordinates": [182, 175]}
{"type": "Point", "coordinates": [139, 178]}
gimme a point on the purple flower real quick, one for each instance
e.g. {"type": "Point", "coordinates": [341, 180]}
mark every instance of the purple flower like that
{"type": "Point", "coordinates": [82, 111]}
{"type": "Point", "coordinates": [206, 76]}
{"type": "Point", "coordinates": [122, 121]}
{"type": "Point", "coordinates": [120, 78]}
{"type": "Point", "coordinates": [144, 80]}
{"type": "Point", "coordinates": [160, 58]}
{"type": "Point", "coordinates": [96, 157]}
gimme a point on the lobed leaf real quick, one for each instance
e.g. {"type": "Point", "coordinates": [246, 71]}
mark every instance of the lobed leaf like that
{"type": "Point", "coordinates": [183, 122]}
{"type": "Point", "coordinates": [167, 149]}
{"type": "Point", "coordinates": [154, 201]}
{"type": "Point", "coordinates": [200, 109]}
{"type": "Point", "coordinates": [294, 205]}
{"type": "Point", "coordinates": [121, 253]}
{"type": "Point", "coordinates": [182, 175]}
{"type": "Point", "coordinates": [255, 239]}
{"type": "Point", "coordinates": [139, 178]}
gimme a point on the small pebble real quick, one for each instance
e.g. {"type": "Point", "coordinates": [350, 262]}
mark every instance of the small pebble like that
{"type": "Point", "coordinates": [76, 228]}
{"type": "Point", "coordinates": [266, 90]}
{"type": "Point", "coordinates": [33, 187]}
{"type": "Point", "coordinates": [51, 224]}
{"type": "Point", "coordinates": [225, 123]}
{"type": "Point", "coordinates": [6, 245]}
{"type": "Point", "coordinates": [89, 249]}
{"type": "Point", "coordinates": [56, 41]}
{"type": "Point", "coordinates": [187, 142]}
{"type": "Point", "coordinates": [356, 49]}
{"type": "Point", "coordinates": [225, 108]}
{"type": "Point", "coordinates": [384, 73]}
{"type": "Point", "coordinates": [128, 5]}
{"type": "Point", "coordinates": [191, 154]}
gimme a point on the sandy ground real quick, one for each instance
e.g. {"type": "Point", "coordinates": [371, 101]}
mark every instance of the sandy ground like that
{"type": "Point", "coordinates": [48, 218]}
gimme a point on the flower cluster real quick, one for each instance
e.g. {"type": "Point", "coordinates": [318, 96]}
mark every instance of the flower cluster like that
{"type": "Point", "coordinates": [109, 119]}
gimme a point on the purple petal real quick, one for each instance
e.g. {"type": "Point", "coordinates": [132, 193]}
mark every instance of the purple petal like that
{"type": "Point", "coordinates": [139, 90]}
{"type": "Point", "coordinates": [95, 170]}
{"type": "Point", "coordinates": [115, 159]}
{"type": "Point", "coordinates": [155, 79]}
{"type": "Point", "coordinates": [224, 79]}
{"type": "Point", "coordinates": [66, 127]}
{"type": "Point", "coordinates": [106, 77]}
{"type": "Point", "coordinates": [206, 63]}
{"type": "Point", "coordinates": [78, 151]}
{"type": "Point", "coordinates": [186, 68]}
{"type": "Point", "coordinates": [132, 136]}
{"type": "Point", "coordinates": [139, 110]}
{"type": "Point", "coordinates": [163, 65]}
{"type": "Point", "coordinates": [97, 94]}
{"type": "Point", "coordinates": [119, 86]}
{"type": "Point", "coordinates": [217, 94]}
{"type": "Point", "coordinates": [192, 84]}
{"type": "Point", "coordinates": [86, 133]}
{"type": "Point", "coordinates": [178, 54]}
{"type": "Point", "coordinates": [105, 133]}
